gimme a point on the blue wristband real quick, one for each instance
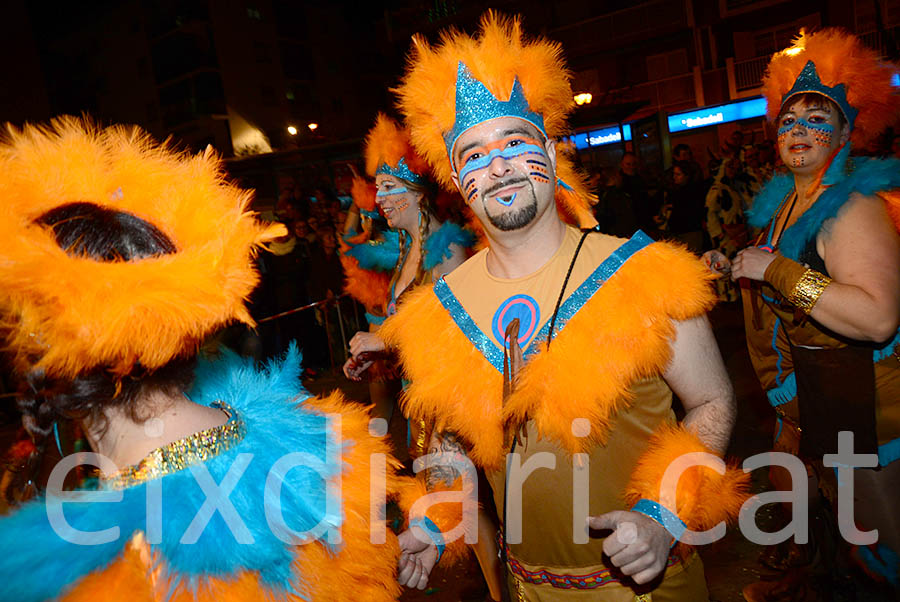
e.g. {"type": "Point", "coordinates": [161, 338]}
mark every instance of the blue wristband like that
{"type": "Point", "coordinates": [668, 519]}
{"type": "Point", "coordinates": [431, 529]}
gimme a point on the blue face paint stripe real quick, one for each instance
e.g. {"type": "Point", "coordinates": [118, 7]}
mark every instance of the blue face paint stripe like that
{"type": "Point", "coordinates": [511, 200]}
{"type": "Point", "coordinates": [588, 288]}
{"type": "Point", "coordinates": [819, 127]}
{"type": "Point", "coordinates": [507, 153]}
{"type": "Point", "coordinates": [536, 162]}
{"type": "Point", "coordinates": [481, 341]}
{"type": "Point", "coordinates": [392, 191]}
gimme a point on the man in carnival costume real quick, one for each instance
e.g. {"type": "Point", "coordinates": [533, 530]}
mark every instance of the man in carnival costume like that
{"type": "Point", "coordinates": [557, 345]}
{"type": "Point", "coordinates": [223, 482]}
{"type": "Point", "coordinates": [822, 295]}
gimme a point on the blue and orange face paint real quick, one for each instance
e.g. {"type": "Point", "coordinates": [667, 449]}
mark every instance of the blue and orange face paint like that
{"type": "Point", "coordinates": [480, 157]}
{"type": "Point", "coordinates": [822, 133]}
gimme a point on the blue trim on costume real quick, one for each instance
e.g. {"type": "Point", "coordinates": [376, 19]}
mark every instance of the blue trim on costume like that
{"type": "Point", "coordinates": [437, 245]}
{"type": "Point", "coordinates": [869, 176]}
{"type": "Point", "coordinates": [887, 567]}
{"type": "Point", "coordinates": [402, 171]}
{"type": "Point", "coordinates": [784, 392]}
{"type": "Point", "coordinates": [887, 350]}
{"type": "Point", "coordinates": [475, 104]}
{"type": "Point", "coordinates": [433, 533]}
{"type": "Point", "coordinates": [668, 519]}
{"type": "Point", "coordinates": [270, 403]}
{"type": "Point", "coordinates": [889, 452]}
{"type": "Point", "coordinates": [375, 320]}
{"type": "Point", "coordinates": [579, 297]}
{"type": "Point", "coordinates": [808, 81]}
{"type": "Point", "coordinates": [591, 285]}
{"type": "Point", "coordinates": [481, 341]}
{"type": "Point", "coordinates": [369, 214]}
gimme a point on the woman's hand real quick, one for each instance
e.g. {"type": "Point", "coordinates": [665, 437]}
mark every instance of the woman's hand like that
{"type": "Point", "coordinates": [717, 263]}
{"type": "Point", "coordinates": [354, 369]}
{"type": "Point", "coordinates": [751, 263]}
{"type": "Point", "coordinates": [366, 341]}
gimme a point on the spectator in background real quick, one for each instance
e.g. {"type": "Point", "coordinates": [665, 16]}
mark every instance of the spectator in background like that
{"type": "Point", "coordinates": [627, 204]}
{"type": "Point", "coordinates": [325, 282]}
{"type": "Point", "coordinates": [725, 220]}
{"type": "Point", "coordinates": [685, 206]}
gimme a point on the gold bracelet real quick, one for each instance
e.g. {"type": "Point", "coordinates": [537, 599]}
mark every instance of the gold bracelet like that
{"type": "Point", "coordinates": [808, 290]}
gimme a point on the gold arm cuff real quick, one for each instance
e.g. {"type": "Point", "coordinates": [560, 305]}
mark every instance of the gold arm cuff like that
{"type": "Point", "coordinates": [808, 290]}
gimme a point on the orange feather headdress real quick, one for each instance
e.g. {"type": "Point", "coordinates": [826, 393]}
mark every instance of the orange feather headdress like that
{"type": "Point", "coordinates": [506, 74]}
{"type": "Point", "coordinates": [844, 64]}
{"type": "Point", "coordinates": [388, 150]}
{"type": "Point", "coordinates": [65, 314]}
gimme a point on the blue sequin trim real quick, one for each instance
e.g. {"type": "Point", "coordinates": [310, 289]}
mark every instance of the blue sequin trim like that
{"type": "Point", "coordinates": [569, 307]}
{"type": "Point", "coordinates": [401, 171]}
{"type": "Point", "coordinates": [482, 342]}
{"type": "Point", "coordinates": [375, 320]}
{"type": "Point", "coordinates": [668, 519]}
{"type": "Point", "coordinates": [591, 285]}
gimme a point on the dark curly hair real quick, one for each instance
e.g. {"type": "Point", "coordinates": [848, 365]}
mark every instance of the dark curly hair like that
{"type": "Point", "coordinates": [88, 230]}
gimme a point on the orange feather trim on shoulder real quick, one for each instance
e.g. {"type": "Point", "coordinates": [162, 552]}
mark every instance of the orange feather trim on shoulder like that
{"type": "Point", "coordinates": [363, 193]}
{"type": "Point", "coordinates": [457, 389]}
{"type": "Point", "coordinates": [622, 334]}
{"type": "Point", "coordinates": [704, 497]}
{"type": "Point", "coordinates": [359, 570]}
{"type": "Point", "coordinates": [371, 288]}
{"type": "Point", "coordinates": [387, 143]}
{"type": "Point", "coordinates": [446, 515]}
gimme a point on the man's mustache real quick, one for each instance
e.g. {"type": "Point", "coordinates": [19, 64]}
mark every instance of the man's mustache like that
{"type": "Point", "coordinates": [503, 184]}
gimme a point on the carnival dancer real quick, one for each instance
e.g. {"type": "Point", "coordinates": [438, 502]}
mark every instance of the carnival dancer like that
{"type": "Point", "coordinates": [119, 257]}
{"type": "Point", "coordinates": [555, 344]}
{"type": "Point", "coordinates": [427, 249]}
{"type": "Point", "coordinates": [822, 294]}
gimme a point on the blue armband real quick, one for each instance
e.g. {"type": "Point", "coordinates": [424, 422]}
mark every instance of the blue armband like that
{"type": "Point", "coordinates": [431, 529]}
{"type": "Point", "coordinates": [668, 519]}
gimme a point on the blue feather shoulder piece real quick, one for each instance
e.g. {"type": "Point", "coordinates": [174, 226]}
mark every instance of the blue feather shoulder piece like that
{"type": "Point", "coordinates": [243, 509]}
{"type": "Point", "coordinates": [437, 246]}
{"type": "Point", "coordinates": [865, 176]}
{"type": "Point", "coordinates": [381, 256]}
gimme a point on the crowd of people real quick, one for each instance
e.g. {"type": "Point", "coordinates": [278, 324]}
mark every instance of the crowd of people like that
{"type": "Point", "coordinates": [551, 345]}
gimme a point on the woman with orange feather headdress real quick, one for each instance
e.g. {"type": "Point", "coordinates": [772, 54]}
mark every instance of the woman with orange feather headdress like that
{"type": "Point", "coordinates": [822, 308]}
{"type": "Point", "coordinates": [218, 481]}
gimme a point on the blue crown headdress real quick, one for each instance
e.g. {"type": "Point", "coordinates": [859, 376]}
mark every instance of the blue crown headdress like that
{"type": "Point", "coordinates": [475, 104]}
{"type": "Point", "coordinates": [401, 171]}
{"type": "Point", "coordinates": [808, 81]}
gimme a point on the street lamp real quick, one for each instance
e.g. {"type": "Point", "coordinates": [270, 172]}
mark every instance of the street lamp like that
{"type": "Point", "coordinates": [292, 130]}
{"type": "Point", "coordinates": [312, 127]}
{"type": "Point", "coordinates": [583, 98]}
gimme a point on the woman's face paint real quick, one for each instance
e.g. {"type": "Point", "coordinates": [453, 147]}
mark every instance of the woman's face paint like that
{"type": "Point", "coordinates": [808, 134]}
{"type": "Point", "coordinates": [394, 199]}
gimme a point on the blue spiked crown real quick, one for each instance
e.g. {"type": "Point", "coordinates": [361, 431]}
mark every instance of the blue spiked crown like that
{"type": "Point", "coordinates": [401, 171]}
{"type": "Point", "coordinates": [475, 104]}
{"type": "Point", "coordinates": [808, 81]}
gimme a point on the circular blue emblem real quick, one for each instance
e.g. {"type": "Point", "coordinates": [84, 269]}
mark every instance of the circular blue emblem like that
{"type": "Point", "coordinates": [523, 307]}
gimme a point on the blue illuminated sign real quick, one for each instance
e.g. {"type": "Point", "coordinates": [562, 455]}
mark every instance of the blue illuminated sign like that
{"type": "Point", "coordinates": [600, 137]}
{"type": "Point", "coordinates": [735, 111]}
{"type": "Point", "coordinates": [895, 80]}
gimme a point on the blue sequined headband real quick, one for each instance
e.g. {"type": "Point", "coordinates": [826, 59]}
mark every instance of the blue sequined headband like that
{"type": "Point", "coordinates": [808, 81]}
{"type": "Point", "coordinates": [401, 171]}
{"type": "Point", "coordinates": [475, 104]}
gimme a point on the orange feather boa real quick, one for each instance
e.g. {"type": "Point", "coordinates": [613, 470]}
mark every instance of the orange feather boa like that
{"type": "Point", "coordinates": [630, 318]}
